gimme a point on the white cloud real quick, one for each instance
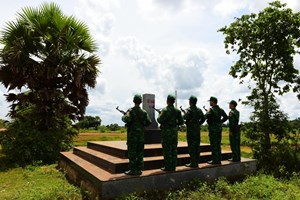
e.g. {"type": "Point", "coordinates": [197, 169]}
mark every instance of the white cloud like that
{"type": "Point", "coordinates": [100, 17]}
{"type": "Point", "coordinates": [145, 59]}
{"type": "Point", "coordinates": [227, 8]}
{"type": "Point", "coordinates": [258, 5]}
{"type": "Point", "coordinates": [159, 46]}
{"type": "Point", "coordinates": [167, 10]}
{"type": "Point", "coordinates": [232, 8]}
{"type": "Point", "coordinates": [170, 4]}
{"type": "Point", "coordinates": [181, 70]}
{"type": "Point", "coordinates": [188, 70]}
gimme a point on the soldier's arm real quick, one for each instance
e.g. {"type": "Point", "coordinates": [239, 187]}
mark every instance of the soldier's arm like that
{"type": "Point", "coordinates": [224, 116]}
{"type": "Point", "coordinates": [147, 119]}
{"type": "Point", "coordinates": [208, 114]}
{"type": "Point", "coordinates": [187, 115]}
{"type": "Point", "coordinates": [202, 117]}
{"type": "Point", "coordinates": [238, 116]}
{"type": "Point", "coordinates": [127, 117]}
{"type": "Point", "coordinates": [179, 118]}
{"type": "Point", "coordinates": [232, 118]}
{"type": "Point", "coordinates": [161, 117]}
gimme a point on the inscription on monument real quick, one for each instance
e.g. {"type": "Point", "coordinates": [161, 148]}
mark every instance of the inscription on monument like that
{"type": "Point", "coordinates": [148, 104]}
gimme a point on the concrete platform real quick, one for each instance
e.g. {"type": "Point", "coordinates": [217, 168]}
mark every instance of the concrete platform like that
{"type": "Point", "coordinates": [99, 168]}
{"type": "Point", "coordinates": [119, 148]}
{"type": "Point", "coordinates": [111, 155]}
{"type": "Point", "coordinates": [103, 185]}
{"type": "Point", "coordinates": [118, 165]}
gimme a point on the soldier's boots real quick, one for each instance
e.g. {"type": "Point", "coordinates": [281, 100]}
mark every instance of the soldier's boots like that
{"type": "Point", "coordinates": [234, 160]}
{"type": "Point", "coordinates": [192, 165]}
{"type": "Point", "coordinates": [167, 170]}
{"type": "Point", "coordinates": [214, 163]}
{"type": "Point", "coordinates": [139, 173]}
{"type": "Point", "coordinates": [131, 172]}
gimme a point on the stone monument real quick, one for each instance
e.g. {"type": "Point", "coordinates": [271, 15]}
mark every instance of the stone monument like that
{"type": "Point", "coordinates": [152, 133]}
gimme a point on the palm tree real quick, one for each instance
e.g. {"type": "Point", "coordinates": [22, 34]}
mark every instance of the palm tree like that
{"type": "Point", "coordinates": [47, 63]}
{"type": "Point", "coordinates": [49, 57]}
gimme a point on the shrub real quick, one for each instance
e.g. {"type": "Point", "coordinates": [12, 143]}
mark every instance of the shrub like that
{"type": "Point", "coordinates": [102, 129]}
{"type": "Point", "coordinates": [285, 159]}
{"type": "Point", "coordinates": [283, 156]}
{"type": "Point", "coordinates": [26, 141]}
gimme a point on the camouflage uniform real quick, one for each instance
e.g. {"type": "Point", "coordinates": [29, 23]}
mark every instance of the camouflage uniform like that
{"type": "Point", "coordinates": [169, 118]}
{"type": "Point", "coordinates": [136, 120]}
{"type": "Point", "coordinates": [193, 117]}
{"type": "Point", "coordinates": [234, 130]}
{"type": "Point", "coordinates": [215, 116]}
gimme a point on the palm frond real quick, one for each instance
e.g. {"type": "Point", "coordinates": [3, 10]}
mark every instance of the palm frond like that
{"type": "Point", "coordinates": [51, 54]}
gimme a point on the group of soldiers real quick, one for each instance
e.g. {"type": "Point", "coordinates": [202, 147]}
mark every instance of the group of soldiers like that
{"type": "Point", "coordinates": [170, 118]}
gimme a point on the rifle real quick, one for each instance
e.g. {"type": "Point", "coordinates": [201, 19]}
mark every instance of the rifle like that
{"type": "Point", "coordinates": [121, 111]}
{"type": "Point", "coordinates": [184, 112]}
{"type": "Point", "coordinates": [205, 108]}
{"type": "Point", "coordinates": [157, 110]}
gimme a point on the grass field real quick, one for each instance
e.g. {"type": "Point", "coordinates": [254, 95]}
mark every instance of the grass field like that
{"type": "Point", "coordinates": [36, 182]}
{"type": "Point", "coordinates": [47, 182]}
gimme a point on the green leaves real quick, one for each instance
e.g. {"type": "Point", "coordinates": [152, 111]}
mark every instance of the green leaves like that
{"type": "Point", "coordinates": [50, 59]}
{"type": "Point", "coordinates": [51, 55]}
{"type": "Point", "coordinates": [266, 44]}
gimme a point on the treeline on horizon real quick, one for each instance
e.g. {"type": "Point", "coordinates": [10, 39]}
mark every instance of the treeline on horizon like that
{"type": "Point", "coordinates": [94, 123]}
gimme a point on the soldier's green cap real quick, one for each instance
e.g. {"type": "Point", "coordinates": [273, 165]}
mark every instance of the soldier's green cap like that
{"type": "Point", "coordinates": [193, 99]}
{"type": "Point", "coordinates": [171, 97]}
{"type": "Point", "coordinates": [233, 102]}
{"type": "Point", "coordinates": [137, 98]}
{"type": "Point", "coordinates": [214, 99]}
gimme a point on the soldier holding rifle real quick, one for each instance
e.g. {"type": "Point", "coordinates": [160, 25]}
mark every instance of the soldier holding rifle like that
{"type": "Point", "coordinates": [234, 132]}
{"type": "Point", "coordinates": [170, 118]}
{"type": "Point", "coordinates": [215, 116]}
{"type": "Point", "coordinates": [194, 118]}
{"type": "Point", "coordinates": [136, 120]}
{"type": "Point", "coordinates": [156, 109]}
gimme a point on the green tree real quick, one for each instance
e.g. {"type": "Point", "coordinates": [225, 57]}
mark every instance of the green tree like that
{"type": "Point", "coordinates": [113, 127]}
{"type": "Point", "coordinates": [47, 63]}
{"type": "Point", "coordinates": [266, 44]}
{"type": "Point", "coordinates": [89, 122]}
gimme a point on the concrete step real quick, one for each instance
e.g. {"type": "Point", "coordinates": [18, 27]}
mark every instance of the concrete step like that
{"type": "Point", "coordinates": [119, 148]}
{"type": "Point", "coordinates": [118, 165]}
{"type": "Point", "coordinates": [103, 185]}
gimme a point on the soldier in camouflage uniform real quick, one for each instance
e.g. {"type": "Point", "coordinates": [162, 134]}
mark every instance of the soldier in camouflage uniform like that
{"type": "Point", "coordinates": [234, 132]}
{"type": "Point", "coordinates": [194, 118]}
{"type": "Point", "coordinates": [136, 120]}
{"type": "Point", "coordinates": [215, 116]}
{"type": "Point", "coordinates": [170, 118]}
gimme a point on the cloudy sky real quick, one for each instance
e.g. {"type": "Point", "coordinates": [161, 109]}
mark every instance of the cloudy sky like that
{"type": "Point", "coordinates": [158, 47]}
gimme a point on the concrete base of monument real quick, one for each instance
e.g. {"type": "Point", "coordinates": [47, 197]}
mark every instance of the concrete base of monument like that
{"type": "Point", "coordinates": [104, 185]}
{"type": "Point", "coordinates": [152, 136]}
{"type": "Point", "coordinates": [99, 168]}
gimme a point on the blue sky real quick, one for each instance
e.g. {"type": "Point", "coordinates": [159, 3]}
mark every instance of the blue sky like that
{"type": "Point", "coordinates": [159, 46]}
